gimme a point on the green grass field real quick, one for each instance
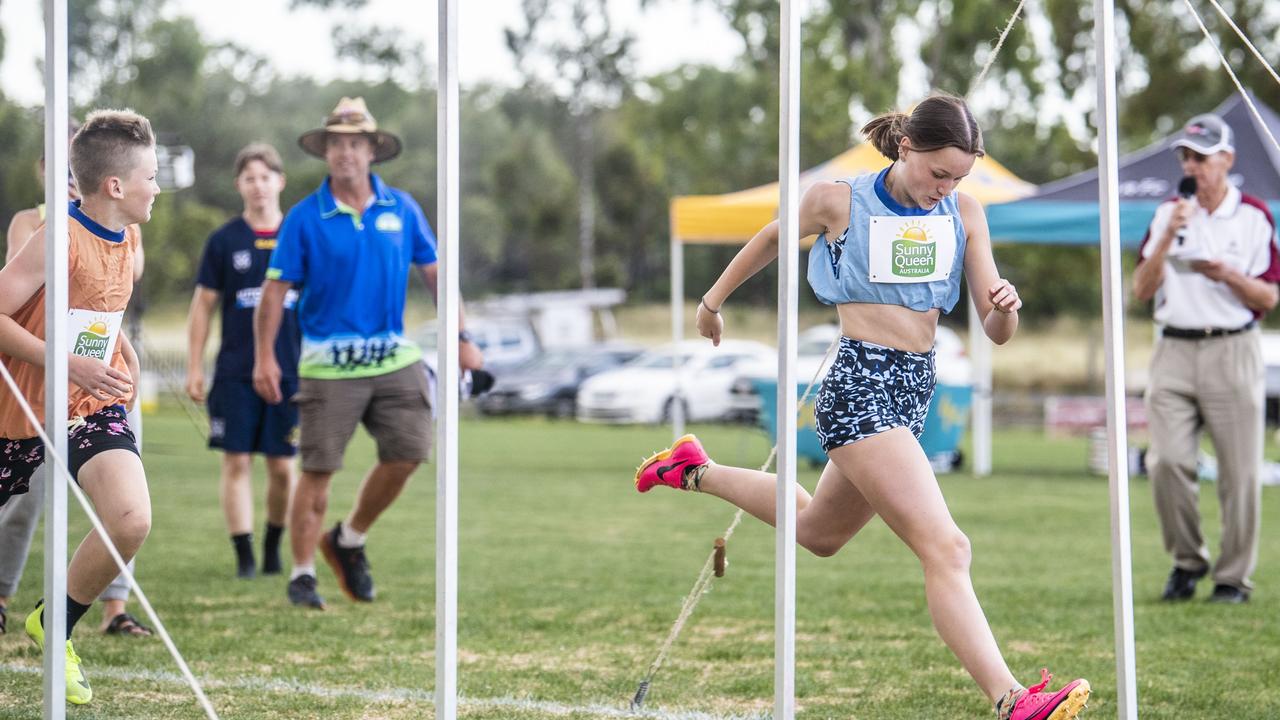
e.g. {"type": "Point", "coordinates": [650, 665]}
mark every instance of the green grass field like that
{"type": "Point", "coordinates": [570, 581]}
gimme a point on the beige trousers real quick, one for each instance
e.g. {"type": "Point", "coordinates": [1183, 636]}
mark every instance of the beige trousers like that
{"type": "Point", "coordinates": [1216, 385]}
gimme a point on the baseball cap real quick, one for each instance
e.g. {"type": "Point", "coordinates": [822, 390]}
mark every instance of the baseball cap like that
{"type": "Point", "coordinates": [1206, 134]}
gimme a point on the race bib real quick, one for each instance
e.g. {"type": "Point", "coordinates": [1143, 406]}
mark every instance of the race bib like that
{"type": "Point", "coordinates": [911, 249]}
{"type": "Point", "coordinates": [94, 333]}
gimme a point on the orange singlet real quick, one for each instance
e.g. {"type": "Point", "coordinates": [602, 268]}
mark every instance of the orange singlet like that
{"type": "Point", "coordinates": [101, 281]}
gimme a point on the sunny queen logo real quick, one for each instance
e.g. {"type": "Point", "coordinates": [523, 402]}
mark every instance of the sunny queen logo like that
{"type": "Point", "coordinates": [92, 341]}
{"type": "Point", "coordinates": [915, 254]}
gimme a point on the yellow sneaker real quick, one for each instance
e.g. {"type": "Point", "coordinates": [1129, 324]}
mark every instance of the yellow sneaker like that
{"type": "Point", "coordinates": [78, 690]}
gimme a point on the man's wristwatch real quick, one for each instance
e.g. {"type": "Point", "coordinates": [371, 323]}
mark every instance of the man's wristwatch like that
{"type": "Point", "coordinates": [464, 336]}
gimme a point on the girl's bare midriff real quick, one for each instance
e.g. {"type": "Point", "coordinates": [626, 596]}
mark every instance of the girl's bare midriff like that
{"type": "Point", "coordinates": [889, 325]}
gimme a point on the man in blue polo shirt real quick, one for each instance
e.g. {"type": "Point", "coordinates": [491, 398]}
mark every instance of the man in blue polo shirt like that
{"type": "Point", "coordinates": [241, 423]}
{"type": "Point", "coordinates": [349, 245]}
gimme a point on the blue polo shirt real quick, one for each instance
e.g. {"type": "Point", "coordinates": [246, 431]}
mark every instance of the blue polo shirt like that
{"type": "Point", "coordinates": [353, 266]}
{"type": "Point", "coordinates": [234, 263]}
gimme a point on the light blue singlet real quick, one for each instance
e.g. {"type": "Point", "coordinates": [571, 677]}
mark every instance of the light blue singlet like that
{"type": "Point", "coordinates": [839, 270]}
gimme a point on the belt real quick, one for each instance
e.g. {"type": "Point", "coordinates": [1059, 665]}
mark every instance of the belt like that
{"type": "Point", "coordinates": [1202, 333]}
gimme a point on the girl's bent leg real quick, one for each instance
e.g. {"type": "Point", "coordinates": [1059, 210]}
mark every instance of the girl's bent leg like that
{"type": "Point", "coordinates": [895, 477]}
{"type": "Point", "coordinates": [825, 521]}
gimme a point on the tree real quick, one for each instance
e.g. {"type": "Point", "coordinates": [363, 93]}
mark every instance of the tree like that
{"type": "Point", "coordinates": [591, 70]}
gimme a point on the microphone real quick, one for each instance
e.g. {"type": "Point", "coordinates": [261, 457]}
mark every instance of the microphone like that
{"type": "Point", "coordinates": [1186, 189]}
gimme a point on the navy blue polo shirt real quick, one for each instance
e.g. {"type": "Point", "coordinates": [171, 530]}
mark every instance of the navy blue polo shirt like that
{"type": "Point", "coordinates": [234, 263]}
{"type": "Point", "coordinates": [353, 266]}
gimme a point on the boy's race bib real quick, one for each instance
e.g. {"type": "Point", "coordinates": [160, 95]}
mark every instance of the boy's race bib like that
{"type": "Point", "coordinates": [911, 249]}
{"type": "Point", "coordinates": [93, 333]}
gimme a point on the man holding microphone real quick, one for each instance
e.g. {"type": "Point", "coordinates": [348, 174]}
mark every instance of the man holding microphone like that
{"type": "Point", "coordinates": [1209, 261]}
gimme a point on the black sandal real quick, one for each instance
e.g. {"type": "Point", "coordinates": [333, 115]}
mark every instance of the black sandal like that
{"type": "Point", "coordinates": [126, 624]}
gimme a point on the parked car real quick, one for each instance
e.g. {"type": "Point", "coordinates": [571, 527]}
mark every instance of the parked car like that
{"type": "Point", "coordinates": [645, 390]}
{"type": "Point", "coordinates": [549, 383]}
{"type": "Point", "coordinates": [506, 342]}
{"type": "Point", "coordinates": [952, 365]}
{"type": "Point", "coordinates": [811, 350]}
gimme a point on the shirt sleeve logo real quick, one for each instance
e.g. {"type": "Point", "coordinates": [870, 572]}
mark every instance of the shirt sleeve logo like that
{"type": "Point", "coordinates": [241, 260]}
{"type": "Point", "coordinates": [389, 222]}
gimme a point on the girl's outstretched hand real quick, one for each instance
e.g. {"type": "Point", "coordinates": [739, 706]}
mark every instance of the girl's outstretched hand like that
{"type": "Point", "coordinates": [710, 324]}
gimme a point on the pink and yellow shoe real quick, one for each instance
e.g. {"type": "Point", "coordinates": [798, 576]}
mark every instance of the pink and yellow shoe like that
{"type": "Point", "coordinates": [668, 467]}
{"type": "Point", "coordinates": [1035, 704]}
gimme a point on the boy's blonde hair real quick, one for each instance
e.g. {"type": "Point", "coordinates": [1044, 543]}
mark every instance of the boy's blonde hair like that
{"type": "Point", "coordinates": [105, 146]}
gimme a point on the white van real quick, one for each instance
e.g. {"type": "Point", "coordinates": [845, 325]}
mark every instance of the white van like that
{"type": "Point", "coordinates": [505, 341]}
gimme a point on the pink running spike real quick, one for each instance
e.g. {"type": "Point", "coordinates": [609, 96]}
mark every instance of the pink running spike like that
{"type": "Point", "coordinates": [668, 466]}
{"type": "Point", "coordinates": [1066, 704]}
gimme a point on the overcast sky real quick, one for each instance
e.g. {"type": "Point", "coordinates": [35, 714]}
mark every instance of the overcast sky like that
{"type": "Point", "coordinates": [668, 34]}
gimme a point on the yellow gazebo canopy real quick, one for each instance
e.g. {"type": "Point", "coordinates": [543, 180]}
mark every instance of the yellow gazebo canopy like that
{"type": "Point", "coordinates": [733, 218]}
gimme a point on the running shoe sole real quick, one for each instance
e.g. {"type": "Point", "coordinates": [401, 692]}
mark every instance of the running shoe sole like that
{"type": "Point", "coordinates": [1076, 701]}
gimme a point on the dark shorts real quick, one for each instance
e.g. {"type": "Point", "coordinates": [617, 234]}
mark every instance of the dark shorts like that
{"type": "Point", "coordinates": [102, 431]}
{"type": "Point", "coordinates": [240, 421]}
{"type": "Point", "coordinates": [871, 389]}
{"type": "Point", "coordinates": [395, 408]}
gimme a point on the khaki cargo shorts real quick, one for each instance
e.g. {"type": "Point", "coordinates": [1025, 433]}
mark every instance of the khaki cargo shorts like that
{"type": "Point", "coordinates": [395, 408]}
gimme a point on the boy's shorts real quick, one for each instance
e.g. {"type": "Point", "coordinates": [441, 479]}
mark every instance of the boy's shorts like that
{"type": "Point", "coordinates": [107, 429]}
{"type": "Point", "coordinates": [240, 421]}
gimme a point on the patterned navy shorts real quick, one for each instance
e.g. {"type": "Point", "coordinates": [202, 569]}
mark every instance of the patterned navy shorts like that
{"type": "Point", "coordinates": [104, 430]}
{"type": "Point", "coordinates": [870, 389]}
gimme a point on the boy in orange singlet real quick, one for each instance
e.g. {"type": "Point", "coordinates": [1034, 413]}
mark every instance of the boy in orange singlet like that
{"type": "Point", "coordinates": [113, 160]}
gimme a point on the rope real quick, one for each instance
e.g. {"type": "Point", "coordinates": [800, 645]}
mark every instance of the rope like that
{"type": "Point", "coordinates": [703, 583]}
{"type": "Point", "coordinates": [1013, 19]}
{"type": "Point", "coordinates": [1239, 32]}
{"type": "Point", "coordinates": [61, 465]}
{"type": "Point", "coordinates": [1227, 66]}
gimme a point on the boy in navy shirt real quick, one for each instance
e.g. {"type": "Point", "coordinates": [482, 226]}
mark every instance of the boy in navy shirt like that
{"type": "Point", "coordinates": [241, 423]}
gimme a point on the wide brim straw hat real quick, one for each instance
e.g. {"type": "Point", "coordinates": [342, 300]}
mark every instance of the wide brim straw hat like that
{"type": "Point", "coordinates": [351, 117]}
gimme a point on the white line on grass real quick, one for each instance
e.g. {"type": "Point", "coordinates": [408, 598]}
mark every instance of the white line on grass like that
{"type": "Point", "coordinates": [390, 695]}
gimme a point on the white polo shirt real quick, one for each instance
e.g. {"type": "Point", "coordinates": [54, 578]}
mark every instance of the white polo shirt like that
{"type": "Point", "coordinates": [1241, 233]}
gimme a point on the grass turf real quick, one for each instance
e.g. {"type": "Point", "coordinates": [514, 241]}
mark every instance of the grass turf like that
{"type": "Point", "coordinates": [570, 581]}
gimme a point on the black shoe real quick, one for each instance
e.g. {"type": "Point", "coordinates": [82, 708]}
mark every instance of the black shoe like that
{"type": "Point", "coordinates": [245, 571]}
{"type": "Point", "coordinates": [302, 591]}
{"type": "Point", "coordinates": [1228, 594]}
{"type": "Point", "coordinates": [349, 564]}
{"type": "Point", "coordinates": [1181, 584]}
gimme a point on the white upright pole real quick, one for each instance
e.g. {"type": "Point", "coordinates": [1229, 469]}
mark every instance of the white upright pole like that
{"type": "Point", "coordinates": [784, 683]}
{"type": "Point", "coordinates": [677, 327]}
{"type": "Point", "coordinates": [1113, 326]}
{"type": "Point", "coordinates": [446, 691]}
{"type": "Point", "coordinates": [980, 367]}
{"type": "Point", "coordinates": [56, 107]}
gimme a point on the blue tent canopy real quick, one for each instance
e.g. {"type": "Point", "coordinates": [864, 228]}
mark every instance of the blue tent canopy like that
{"type": "Point", "coordinates": [1065, 212]}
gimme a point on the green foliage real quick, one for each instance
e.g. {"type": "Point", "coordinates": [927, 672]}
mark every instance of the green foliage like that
{"type": "Point", "coordinates": [171, 262]}
{"type": "Point", "coordinates": [587, 146]}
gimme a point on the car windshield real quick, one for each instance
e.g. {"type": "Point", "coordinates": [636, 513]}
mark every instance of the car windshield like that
{"type": "Point", "coordinates": [554, 360]}
{"type": "Point", "coordinates": [661, 361]}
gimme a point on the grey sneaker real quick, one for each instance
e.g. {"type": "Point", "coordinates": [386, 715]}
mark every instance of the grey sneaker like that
{"type": "Point", "coordinates": [350, 565]}
{"type": "Point", "coordinates": [302, 591]}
